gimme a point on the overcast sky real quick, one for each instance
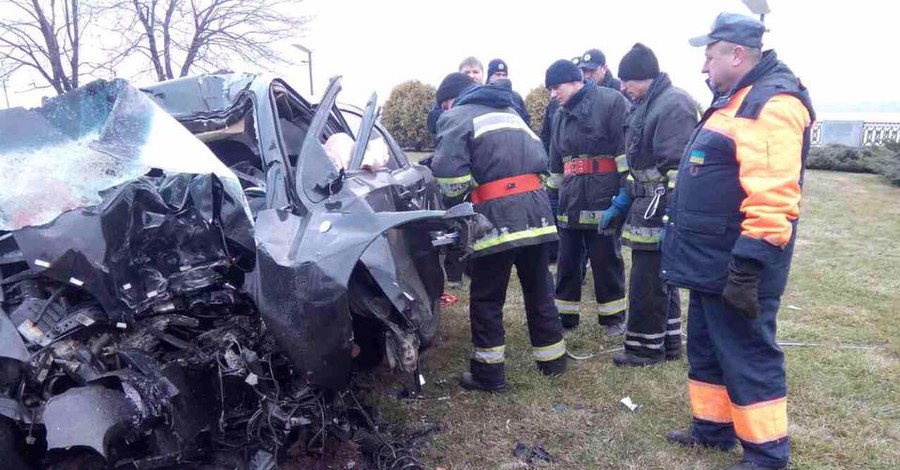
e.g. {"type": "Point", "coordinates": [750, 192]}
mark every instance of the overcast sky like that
{"type": "Point", "coordinates": [845, 52]}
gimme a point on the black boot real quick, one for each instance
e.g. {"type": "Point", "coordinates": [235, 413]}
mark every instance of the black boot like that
{"type": "Point", "coordinates": [686, 438]}
{"type": "Point", "coordinates": [555, 367]}
{"type": "Point", "coordinates": [673, 353]}
{"type": "Point", "coordinates": [569, 321]}
{"type": "Point", "coordinates": [626, 359]}
{"type": "Point", "coordinates": [469, 382]}
{"type": "Point", "coordinates": [745, 465]}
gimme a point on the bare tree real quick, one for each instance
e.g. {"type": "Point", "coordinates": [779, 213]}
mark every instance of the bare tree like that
{"type": "Point", "coordinates": [45, 36]}
{"type": "Point", "coordinates": [178, 36]}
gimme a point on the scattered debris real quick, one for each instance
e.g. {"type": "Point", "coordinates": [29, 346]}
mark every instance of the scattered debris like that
{"type": "Point", "coordinates": [448, 299]}
{"type": "Point", "coordinates": [630, 404]}
{"type": "Point", "coordinates": [532, 455]}
{"type": "Point", "coordinates": [794, 307]}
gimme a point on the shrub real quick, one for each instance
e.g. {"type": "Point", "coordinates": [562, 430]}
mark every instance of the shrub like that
{"type": "Point", "coordinates": [405, 114]}
{"type": "Point", "coordinates": [536, 104]}
{"type": "Point", "coordinates": [883, 159]}
{"type": "Point", "coordinates": [837, 157]}
{"type": "Point", "coordinates": [887, 161]}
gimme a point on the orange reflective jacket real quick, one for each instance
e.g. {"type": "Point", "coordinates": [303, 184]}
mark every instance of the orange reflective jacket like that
{"type": "Point", "coordinates": [739, 183]}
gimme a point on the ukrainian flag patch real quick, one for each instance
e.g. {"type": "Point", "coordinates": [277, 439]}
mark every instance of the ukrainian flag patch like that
{"type": "Point", "coordinates": [697, 157]}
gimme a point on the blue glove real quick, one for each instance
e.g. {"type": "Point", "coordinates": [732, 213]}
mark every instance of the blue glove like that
{"type": "Point", "coordinates": [621, 204]}
{"type": "Point", "coordinates": [607, 216]}
{"type": "Point", "coordinates": [622, 201]}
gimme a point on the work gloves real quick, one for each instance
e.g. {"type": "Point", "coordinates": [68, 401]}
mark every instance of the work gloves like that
{"type": "Point", "coordinates": [612, 219]}
{"type": "Point", "coordinates": [741, 293]}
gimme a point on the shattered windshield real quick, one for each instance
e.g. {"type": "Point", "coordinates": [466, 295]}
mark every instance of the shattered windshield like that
{"type": "Point", "coordinates": [59, 157]}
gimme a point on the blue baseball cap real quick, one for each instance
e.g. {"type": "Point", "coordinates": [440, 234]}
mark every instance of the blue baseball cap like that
{"type": "Point", "coordinates": [734, 28]}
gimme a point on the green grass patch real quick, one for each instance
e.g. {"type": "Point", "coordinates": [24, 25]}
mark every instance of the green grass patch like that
{"type": "Point", "coordinates": [844, 404]}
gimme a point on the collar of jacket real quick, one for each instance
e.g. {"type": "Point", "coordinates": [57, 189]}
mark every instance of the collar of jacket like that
{"type": "Point", "coordinates": [640, 107]}
{"type": "Point", "coordinates": [579, 95]}
{"type": "Point", "coordinates": [660, 83]}
{"type": "Point", "coordinates": [608, 81]}
{"type": "Point", "coordinates": [767, 63]}
{"type": "Point", "coordinates": [494, 96]}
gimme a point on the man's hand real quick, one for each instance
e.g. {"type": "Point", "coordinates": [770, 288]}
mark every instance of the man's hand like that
{"type": "Point", "coordinates": [742, 288]}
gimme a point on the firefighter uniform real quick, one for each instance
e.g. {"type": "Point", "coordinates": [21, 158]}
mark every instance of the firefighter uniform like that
{"type": "Point", "coordinates": [658, 127]}
{"type": "Point", "coordinates": [486, 153]}
{"type": "Point", "coordinates": [731, 230]}
{"type": "Point", "coordinates": [587, 165]}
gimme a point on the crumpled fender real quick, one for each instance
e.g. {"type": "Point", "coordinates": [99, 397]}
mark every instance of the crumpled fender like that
{"type": "Point", "coordinates": [303, 268]}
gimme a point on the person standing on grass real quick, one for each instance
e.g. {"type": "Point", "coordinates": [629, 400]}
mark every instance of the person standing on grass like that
{"type": "Point", "coordinates": [546, 134]}
{"type": "Point", "coordinates": [454, 266]}
{"type": "Point", "coordinates": [659, 124]}
{"type": "Point", "coordinates": [487, 154]}
{"type": "Point", "coordinates": [730, 238]}
{"type": "Point", "coordinates": [587, 164]}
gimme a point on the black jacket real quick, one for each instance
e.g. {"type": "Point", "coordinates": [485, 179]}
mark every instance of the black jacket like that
{"type": "Point", "coordinates": [480, 140]}
{"type": "Point", "coordinates": [517, 103]}
{"type": "Point", "coordinates": [592, 123]}
{"type": "Point", "coordinates": [657, 129]}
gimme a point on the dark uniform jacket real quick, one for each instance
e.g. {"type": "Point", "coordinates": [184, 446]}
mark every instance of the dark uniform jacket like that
{"type": "Point", "coordinates": [517, 103]}
{"type": "Point", "coordinates": [591, 124]}
{"type": "Point", "coordinates": [739, 183]}
{"type": "Point", "coordinates": [657, 129]}
{"type": "Point", "coordinates": [483, 139]}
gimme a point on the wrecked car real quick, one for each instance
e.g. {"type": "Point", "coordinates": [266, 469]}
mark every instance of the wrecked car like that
{"type": "Point", "coordinates": [191, 272]}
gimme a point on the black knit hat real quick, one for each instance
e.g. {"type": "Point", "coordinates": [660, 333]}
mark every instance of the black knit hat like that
{"type": "Point", "coordinates": [638, 64]}
{"type": "Point", "coordinates": [497, 65]}
{"type": "Point", "coordinates": [562, 71]}
{"type": "Point", "coordinates": [452, 86]}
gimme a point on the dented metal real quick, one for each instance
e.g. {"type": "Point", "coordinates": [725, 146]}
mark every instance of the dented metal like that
{"type": "Point", "coordinates": [169, 303]}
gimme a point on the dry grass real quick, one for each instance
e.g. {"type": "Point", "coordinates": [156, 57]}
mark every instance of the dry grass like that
{"type": "Point", "coordinates": [844, 404]}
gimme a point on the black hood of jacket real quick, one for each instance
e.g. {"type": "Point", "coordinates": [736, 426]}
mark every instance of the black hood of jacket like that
{"type": "Point", "coordinates": [497, 95]}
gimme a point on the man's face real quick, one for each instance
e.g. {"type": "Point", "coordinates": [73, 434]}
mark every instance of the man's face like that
{"type": "Point", "coordinates": [474, 72]}
{"type": "Point", "coordinates": [597, 75]}
{"type": "Point", "coordinates": [500, 75]}
{"type": "Point", "coordinates": [636, 89]}
{"type": "Point", "coordinates": [563, 92]}
{"type": "Point", "coordinates": [721, 66]}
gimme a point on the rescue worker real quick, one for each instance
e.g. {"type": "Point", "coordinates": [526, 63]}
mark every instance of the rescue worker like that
{"type": "Point", "coordinates": [593, 66]}
{"type": "Point", "coordinates": [586, 164]}
{"type": "Point", "coordinates": [498, 70]}
{"type": "Point", "coordinates": [486, 153]}
{"type": "Point", "coordinates": [546, 134]}
{"type": "Point", "coordinates": [454, 266]}
{"type": "Point", "coordinates": [658, 126]}
{"type": "Point", "coordinates": [730, 238]}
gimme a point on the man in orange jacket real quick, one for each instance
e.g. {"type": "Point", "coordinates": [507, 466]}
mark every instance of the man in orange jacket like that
{"type": "Point", "coordinates": [729, 239]}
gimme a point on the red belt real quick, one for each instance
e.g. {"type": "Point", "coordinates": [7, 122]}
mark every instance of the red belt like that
{"type": "Point", "coordinates": [506, 187]}
{"type": "Point", "coordinates": [584, 166]}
